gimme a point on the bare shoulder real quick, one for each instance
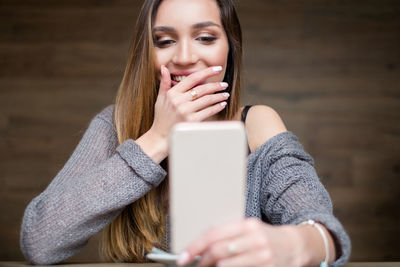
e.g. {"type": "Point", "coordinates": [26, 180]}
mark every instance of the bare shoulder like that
{"type": "Point", "coordinates": [262, 123]}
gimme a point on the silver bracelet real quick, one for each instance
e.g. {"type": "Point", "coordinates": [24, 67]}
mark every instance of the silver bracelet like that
{"type": "Point", "coordinates": [321, 231]}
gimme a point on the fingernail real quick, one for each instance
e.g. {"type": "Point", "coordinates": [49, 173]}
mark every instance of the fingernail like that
{"type": "Point", "coordinates": [162, 70]}
{"type": "Point", "coordinates": [226, 95]}
{"type": "Point", "coordinates": [217, 68]}
{"type": "Point", "coordinates": [224, 85]}
{"type": "Point", "coordinates": [223, 104]}
{"type": "Point", "coordinates": [183, 258]}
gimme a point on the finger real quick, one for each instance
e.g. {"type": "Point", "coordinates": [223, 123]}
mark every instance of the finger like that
{"type": "Point", "coordinates": [215, 253]}
{"type": "Point", "coordinates": [251, 258]}
{"type": "Point", "coordinates": [226, 231]}
{"type": "Point", "coordinates": [203, 103]}
{"type": "Point", "coordinates": [232, 247]}
{"type": "Point", "coordinates": [209, 112]}
{"type": "Point", "coordinates": [165, 82]}
{"type": "Point", "coordinates": [205, 89]}
{"type": "Point", "coordinates": [196, 78]}
{"type": "Point", "coordinates": [220, 233]}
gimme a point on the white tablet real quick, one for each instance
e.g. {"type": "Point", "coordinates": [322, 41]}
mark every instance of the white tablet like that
{"type": "Point", "coordinates": [207, 174]}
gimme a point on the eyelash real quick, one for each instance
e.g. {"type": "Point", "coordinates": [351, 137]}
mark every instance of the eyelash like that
{"type": "Point", "coordinates": [207, 39]}
{"type": "Point", "coordinates": [204, 39]}
{"type": "Point", "coordinates": [163, 43]}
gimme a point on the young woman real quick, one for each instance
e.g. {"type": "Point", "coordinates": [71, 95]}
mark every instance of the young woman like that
{"type": "Point", "coordinates": [184, 65]}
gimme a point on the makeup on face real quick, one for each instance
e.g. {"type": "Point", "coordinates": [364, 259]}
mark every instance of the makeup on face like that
{"type": "Point", "coordinates": [191, 41]}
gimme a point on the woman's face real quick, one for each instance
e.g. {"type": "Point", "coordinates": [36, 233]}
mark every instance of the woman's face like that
{"type": "Point", "coordinates": [188, 37]}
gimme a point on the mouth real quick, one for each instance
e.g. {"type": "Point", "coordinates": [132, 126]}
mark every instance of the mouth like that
{"type": "Point", "coordinates": [178, 78]}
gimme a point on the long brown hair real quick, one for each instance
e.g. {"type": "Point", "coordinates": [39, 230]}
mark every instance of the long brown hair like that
{"type": "Point", "coordinates": [142, 224]}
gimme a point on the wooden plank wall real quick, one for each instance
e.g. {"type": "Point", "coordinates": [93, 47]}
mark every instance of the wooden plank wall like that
{"type": "Point", "coordinates": [330, 68]}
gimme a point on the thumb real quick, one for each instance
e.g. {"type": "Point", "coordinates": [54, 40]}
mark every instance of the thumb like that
{"type": "Point", "coordinates": [165, 82]}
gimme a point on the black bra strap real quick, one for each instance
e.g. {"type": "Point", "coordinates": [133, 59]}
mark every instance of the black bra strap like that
{"type": "Point", "coordinates": [243, 119]}
{"type": "Point", "coordinates": [244, 113]}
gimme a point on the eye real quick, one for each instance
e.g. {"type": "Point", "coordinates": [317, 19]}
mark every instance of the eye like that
{"type": "Point", "coordinates": [207, 39]}
{"type": "Point", "coordinates": [158, 42]}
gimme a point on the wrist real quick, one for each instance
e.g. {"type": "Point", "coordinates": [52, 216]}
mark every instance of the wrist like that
{"type": "Point", "coordinates": [302, 253]}
{"type": "Point", "coordinates": [154, 145]}
{"type": "Point", "coordinates": [317, 244]}
{"type": "Point", "coordinates": [297, 246]}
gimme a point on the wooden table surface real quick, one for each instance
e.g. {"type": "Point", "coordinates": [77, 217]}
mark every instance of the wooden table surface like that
{"type": "Point", "coordinates": [22, 264]}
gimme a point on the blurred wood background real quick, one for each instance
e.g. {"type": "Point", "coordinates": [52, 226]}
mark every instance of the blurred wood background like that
{"type": "Point", "coordinates": [330, 68]}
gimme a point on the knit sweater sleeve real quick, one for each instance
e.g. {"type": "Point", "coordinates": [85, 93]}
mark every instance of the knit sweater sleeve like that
{"type": "Point", "coordinates": [291, 191]}
{"type": "Point", "coordinates": [96, 183]}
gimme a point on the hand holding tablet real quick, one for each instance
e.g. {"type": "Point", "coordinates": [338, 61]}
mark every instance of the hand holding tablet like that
{"type": "Point", "coordinates": [207, 170]}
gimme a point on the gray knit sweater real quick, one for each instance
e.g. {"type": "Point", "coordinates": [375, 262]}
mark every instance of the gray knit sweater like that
{"type": "Point", "coordinates": [102, 177]}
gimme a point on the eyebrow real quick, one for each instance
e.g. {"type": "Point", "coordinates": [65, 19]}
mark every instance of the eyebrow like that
{"type": "Point", "coordinates": [205, 24]}
{"type": "Point", "coordinates": [194, 26]}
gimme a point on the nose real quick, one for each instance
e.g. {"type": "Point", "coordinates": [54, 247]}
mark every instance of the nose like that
{"type": "Point", "coordinates": [185, 54]}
